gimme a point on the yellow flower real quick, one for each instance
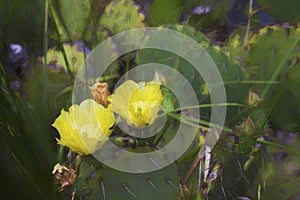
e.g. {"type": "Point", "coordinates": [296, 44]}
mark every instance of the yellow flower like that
{"type": "Point", "coordinates": [85, 125]}
{"type": "Point", "coordinates": [137, 103]}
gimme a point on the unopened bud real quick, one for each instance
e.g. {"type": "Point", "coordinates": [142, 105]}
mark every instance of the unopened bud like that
{"type": "Point", "coordinates": [100, 92]}
{"type": "Point", "coordinates": [253, 99]}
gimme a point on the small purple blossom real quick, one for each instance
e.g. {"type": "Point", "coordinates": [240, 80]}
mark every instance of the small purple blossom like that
{"type": "Point", "coordinates": [257, 144]}
{"type": "Point", "coordinates": [15, 84]}
{"type": "Point", "coordinates": [17, 56]}
{"type": "Point", "coordinates": [16, 48]}
{"type": "Point", "coordinates": [201, 10]}
{"type": "Point", "coordinates": [81, 47]}
{"type": "Point", "coordinates": [213, 176]}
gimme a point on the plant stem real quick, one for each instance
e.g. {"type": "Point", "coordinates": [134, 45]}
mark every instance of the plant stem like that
{"type": "Point", "coordinates": [249, 23]}
{"type": "Point", "coordinates": [207, 106]}
{"type": "Point", "coordinates": [280, 67]}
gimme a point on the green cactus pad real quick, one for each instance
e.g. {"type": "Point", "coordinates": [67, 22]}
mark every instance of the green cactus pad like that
{"type": "Point", "coordinates": [282, 10]}
{"type": "Point", "coordinates": [100, 182]}
{"type": "Point", "coordinates": [165, 11]}
{"type": "Point", "coordinates": [271, 59]}
{"type": "Point", "coordinates": [121, 15]}
{"type": "Point", "coordinates": [75, 15]}
{"type": "Point", "coordinates": [267, 50]}
{"type": "Point", "coordinates": [231, 72]}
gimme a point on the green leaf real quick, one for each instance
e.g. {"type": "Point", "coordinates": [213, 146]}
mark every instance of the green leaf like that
{"type": "Point", "coordinates": [74, 58]}
{"type": "Point", "coordinates": [61, 33]}
{"type": "Point", "coordinates": [165, 11]}
{"type": "Point", "coordinates": [58, 90]}
{"type": "Point", "coordinates": [56, 57]}
{"type": "Point", "coordinates": [294, 76]}
{"type": "Point", "coordinates": [285, 11]}
{"type": "Point", "coordinates": [286, 111]}
{"type": "Point", "coordinates": [75, 16]}
{"type": "Point", "coordinates": [121, 15]}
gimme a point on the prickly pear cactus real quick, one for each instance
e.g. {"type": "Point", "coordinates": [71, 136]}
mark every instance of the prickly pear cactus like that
{"type": "Point", "coordinates": [281, 10]}
{"type": "Point", "coordinates": [266, 51]}
{"type": "Point", "coordinates": [235, 45]}
{"type": "Point", "coordinates": [75, 16]}
{"type": "Point", "coordinates": [99, 182]}
{"type": "Point", "coordinates": [279, 176]}
{"type": "Point", "coordinates": [94, 180]}
{"type": "Point", "coordinates": [121, 15]}
{"type": "Point", "coordinates": [270, 59]}
{"type": "Point", "coordinates": [231, 72]}
{"type": "Point", "coordinates": [74, 57]}
{"type": "Point", "coordinates": [165, 11]}
{"type": "Point", "coordinates": [238, 155]}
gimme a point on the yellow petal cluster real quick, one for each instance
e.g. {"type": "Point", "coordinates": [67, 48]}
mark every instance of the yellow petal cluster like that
{"type": "Point", "coordinates": [137, 103]}
{"type": "Point", "coordinates": [85, 125]}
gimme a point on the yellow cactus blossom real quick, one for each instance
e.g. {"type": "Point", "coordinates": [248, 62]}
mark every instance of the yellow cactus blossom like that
{"type": "Point", "coordinates": [137, 103]}
{"type": "Point", "coordinates": [85, 125]}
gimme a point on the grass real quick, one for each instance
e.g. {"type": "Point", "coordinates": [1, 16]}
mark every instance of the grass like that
{"type": "Point", "coordinates": [29, 150]}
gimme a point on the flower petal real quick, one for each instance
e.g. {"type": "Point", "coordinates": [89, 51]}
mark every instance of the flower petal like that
{"type": "Point", "coordinates": [85, 125]}
{"type": "Point", "coordinates": [137, 103]}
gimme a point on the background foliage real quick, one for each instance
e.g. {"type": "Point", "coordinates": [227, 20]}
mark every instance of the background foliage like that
{"type": "Point", "coordinates": [255, 45]}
